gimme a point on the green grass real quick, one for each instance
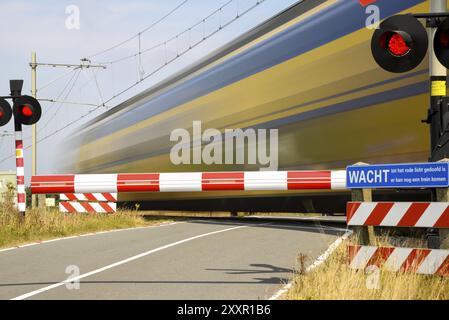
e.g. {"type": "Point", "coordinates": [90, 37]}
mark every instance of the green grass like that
{"type": "Point", "coordinates": [41, 224]}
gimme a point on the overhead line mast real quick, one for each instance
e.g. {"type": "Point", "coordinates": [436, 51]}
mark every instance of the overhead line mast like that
{"type": "Point", "coordinates": [85, 64]}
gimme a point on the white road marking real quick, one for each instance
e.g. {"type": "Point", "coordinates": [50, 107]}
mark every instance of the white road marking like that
{"type": "Point", "coordinates": [89, 234]}
{"type": "Point", "coordinates": [317, 263]}
{"type": "Point", "coordinates": [113, 265]}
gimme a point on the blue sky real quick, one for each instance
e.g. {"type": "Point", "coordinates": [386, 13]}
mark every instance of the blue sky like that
{"type": "Point", "coordinates": [27, 25]}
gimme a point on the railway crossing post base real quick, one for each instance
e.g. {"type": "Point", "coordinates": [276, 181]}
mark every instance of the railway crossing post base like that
{"type": "Point", "coordinates": [365, 234]}
{"type": "Point", "coordinates": [41, 201]}
{"type": "Point", "coordinates": [442, 195]}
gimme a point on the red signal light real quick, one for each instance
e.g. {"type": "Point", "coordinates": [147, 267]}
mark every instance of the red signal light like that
{"type": "Point", "coordinates": [400, 43]}
{"type": "Point", "coordinates": [443, 38]}
{"type": "Point", "coordinates": [5, 112]}
{"type": "Point", "coordinates": [397, 45]}
{"type": "Point", "coordinates": [26, 110]}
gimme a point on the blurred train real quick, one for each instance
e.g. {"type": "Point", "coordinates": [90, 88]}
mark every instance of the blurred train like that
{"type": "Point", "coordinates": [307, 72]}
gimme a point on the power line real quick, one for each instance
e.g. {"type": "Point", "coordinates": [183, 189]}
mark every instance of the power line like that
{"type": "Point", "coordinates": [177, 36]}
{"type": "Point", "coordinates": [72, 102]}
{"type": "Point", "coordinates": [69, 83]}
{"type": "Point", "coordinates": [141, 32]}
{"type": "Point", "coordinates": [55, 80]}
{"type": "Point", "coordinates": [178, 55]}
{"type": "Point", "coordinates": [191, 46]}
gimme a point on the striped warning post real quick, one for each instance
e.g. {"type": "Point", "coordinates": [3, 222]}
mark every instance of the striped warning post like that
{"type": "Point", "coordinates": [190, 181]}
{"type": "Point", "coordinates": [87, 207]}
{"type": "Point", "coordinates": [88, 197]}
{"type": "Point", "coordinates": [88, 202]}
{"type": "Point", "coordinates": [398, 214]}
{"type": "Point", "coordinates": [421, 261]}
{"type": "Point", "coordinates": [20, 170]}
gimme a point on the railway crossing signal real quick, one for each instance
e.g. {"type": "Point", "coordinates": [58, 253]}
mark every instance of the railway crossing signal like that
{"type": "Point", "coordinates": [27, 111]}
{"type": "Point", "coordinates": [5, 112]}
{"type": "Point", "coordinates": [441, 43]}
{"type": "Point", "coordinates": [400, 43]}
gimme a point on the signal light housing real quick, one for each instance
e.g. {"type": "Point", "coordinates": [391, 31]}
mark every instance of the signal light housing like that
{"type": "Point", "coordinates": [441, 43]}
{"type": "Point", "coordinates": [27, 110]}
{"type": "Point", "coordinates": [5, 112]}
{"type": "Point", "coordinates": [400, 44]}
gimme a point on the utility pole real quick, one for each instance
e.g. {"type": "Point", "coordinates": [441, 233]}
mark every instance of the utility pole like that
{"type": "Point", "coordinates": [437, 73]}
{"type": "Point", "coordinates": [438, 82]}
{"type": "Point", "coordinates": [84, 64]}
{"type": "Point", "coordinates": [33, 127]}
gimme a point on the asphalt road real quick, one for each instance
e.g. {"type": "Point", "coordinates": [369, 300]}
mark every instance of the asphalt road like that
{"type": "Point", "coordinates": [200, 259]}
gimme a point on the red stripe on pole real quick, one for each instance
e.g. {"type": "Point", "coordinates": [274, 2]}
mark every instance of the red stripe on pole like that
{"type": "Point", "coordinates": [109, 197]}
{"type": "Point", "coordinates": [88, 207]}
{"type": "Point", "coordinates": [443, 270]}
{"type": "Point", "coordinates": [222, 181]}
{"type": "Point", "coordinates": [352, 252]}
{"type": "Point", "coordinates": [413, 214]}
{"type": "Point", "coordinates": [138, 182]}
{"type": "Point", "coordinates": [380, 256]}
{"type": "Point", "coordinates": [19, 144]}
{"type": "Point", "coordinates": [19, 162]}
{"type": "Point", "coordinates": [106, 207]}
{"type": "Point", "coordinates": [443, 220]}
{"type": "Point", "coordinates": [53, 184]}
{"type": "Point", "coordinates": [379, 213]}
{"type": "Point", "coordinates": [68, 206]}
{"type": "Point", "coordinates": [21, 197]}
{"type": "Point", "coordinates": [297, 180]}
{"type": "Point", "coordinates": [20, 179]}
{"type": "Point", "coordinates": [90, 197]}
{"type": "Point", "coordinates": [414, 260]}
{"type": "Point", "coordinates": [351, 209]}
{"type": "Point", "coordinates": [71, 196]}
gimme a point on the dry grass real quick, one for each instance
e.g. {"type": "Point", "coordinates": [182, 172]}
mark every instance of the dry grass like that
{"type": "Point", "coordinates": [47, 224]}
{"type": "Point", "coordinates": [333, 280]}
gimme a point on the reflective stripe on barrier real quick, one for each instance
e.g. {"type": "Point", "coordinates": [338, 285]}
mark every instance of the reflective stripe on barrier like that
{"type": "Point", "coordinates": [190, 181]}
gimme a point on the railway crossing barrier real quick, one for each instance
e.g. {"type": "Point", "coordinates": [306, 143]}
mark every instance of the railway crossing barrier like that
{"type": "Point", "coordinates": [421, 261]}
{"type": "Point", "coordinates": [190, 182]}
{"type": "Point", "coordinates": [88, 202]}
{"type": "Point", "coordinates": [78, 191]}
{"type": "Point", "coordinates": [363, 215]}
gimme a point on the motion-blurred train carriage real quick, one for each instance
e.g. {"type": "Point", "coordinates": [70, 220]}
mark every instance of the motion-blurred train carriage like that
{"type": "Point", "coordinates": [307, 72]}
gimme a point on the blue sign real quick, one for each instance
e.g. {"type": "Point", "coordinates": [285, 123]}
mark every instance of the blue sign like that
{"type": "Point", "coordinates": [404, 175]}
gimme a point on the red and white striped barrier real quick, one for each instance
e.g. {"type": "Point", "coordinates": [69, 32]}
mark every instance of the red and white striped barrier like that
{"type": "Point", "coordinates": [192, 181]}
{"type": "Point", "coordinates": [88, 197]}
{"type": "Point", "coordinates": [88, 202]}
{"type": "Point", "coordinates": [421, 261]}
{"type": "Point", "coordinates": [398, 214]}
{"type": "Point", "coordinates": [20, 170]}
{"type": "Point", "coordinates": [87, 207]}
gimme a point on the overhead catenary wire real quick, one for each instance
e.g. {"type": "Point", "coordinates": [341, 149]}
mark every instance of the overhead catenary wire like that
{"type": "Point", "coordinates": [55, 80]}
{"type": "Point", "coordinates": [72, 102]}
{"type": "Point", "coordinates": [178, 55]}
{"type": "Point", "coordinates": [202, 21]}
{"type": "Point", "coordinates": [155, 71]}
{"type": "Point", "coordinates": [141, 32]}
{"type": "Point", "coordinates": [72, 85]}
{"type": "Point", "coordinates": [167, 61]}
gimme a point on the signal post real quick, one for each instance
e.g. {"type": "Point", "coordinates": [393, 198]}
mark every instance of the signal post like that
{"type": "Point", "coordinates": [399, 45]}
{"type": "Point", "coordinates": [438, 35]}
{"type": "Point", "coordinates": [26, 111]}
